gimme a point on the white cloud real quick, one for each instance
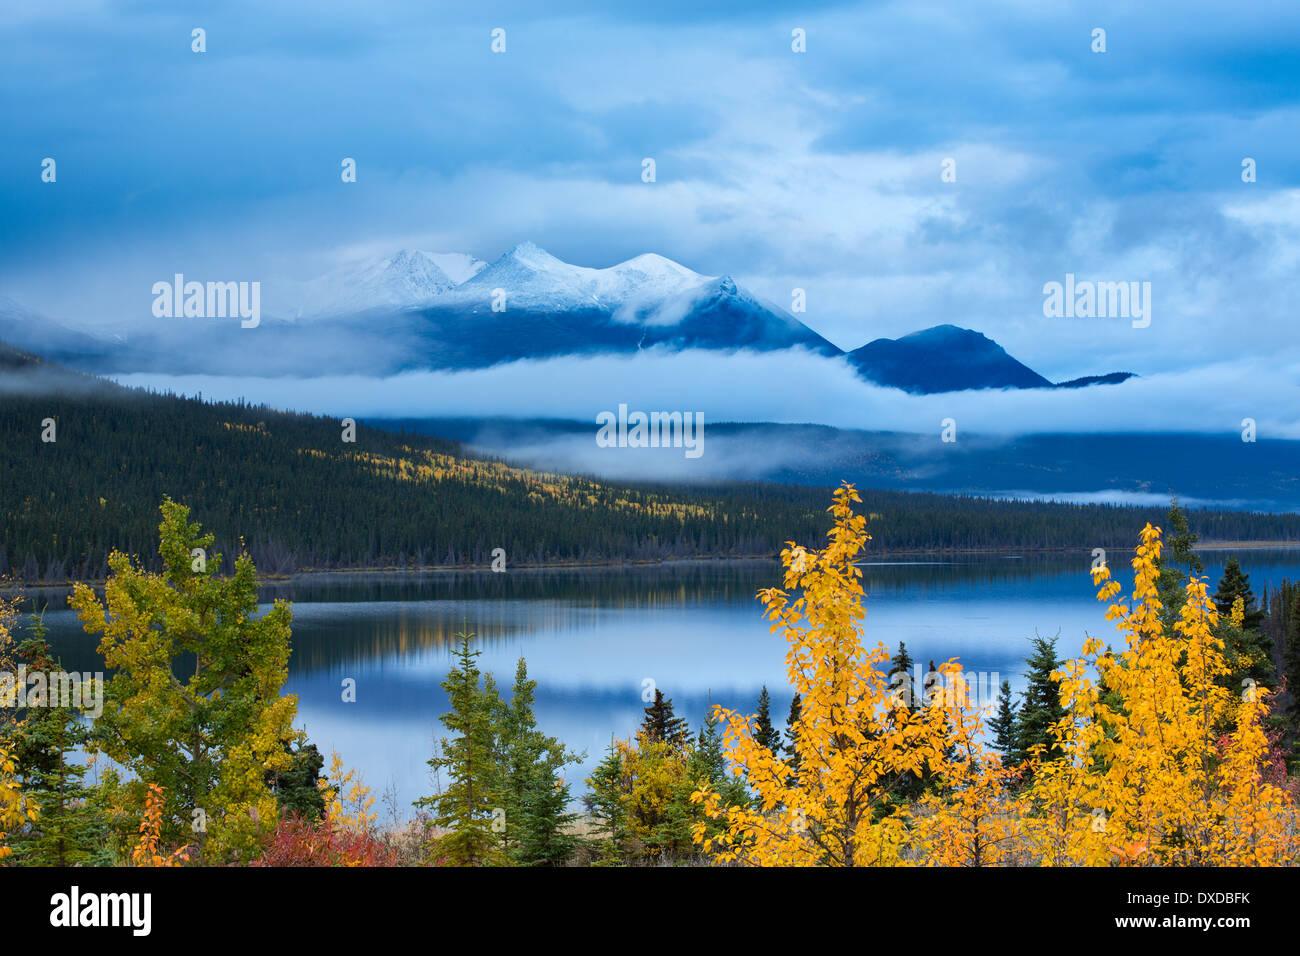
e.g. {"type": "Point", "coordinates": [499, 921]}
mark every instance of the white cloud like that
{"type": "Point", "coordinates": [793, 387]}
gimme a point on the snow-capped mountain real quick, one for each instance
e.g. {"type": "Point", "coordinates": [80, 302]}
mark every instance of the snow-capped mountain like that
{"type": "Point", "coordinates": [534, 279]}
{"type": "Point", "coordinates": [407, 279]}
{"type": "Point", "coordinates": [426, 311]}
{"type": "Point", "coordinates": [530, 304]}
{"type": "Point", "coordinates": [44, 336]}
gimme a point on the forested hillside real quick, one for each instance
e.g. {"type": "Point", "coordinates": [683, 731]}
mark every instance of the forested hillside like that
{"type": "Point", "coordinates": [301, 497]}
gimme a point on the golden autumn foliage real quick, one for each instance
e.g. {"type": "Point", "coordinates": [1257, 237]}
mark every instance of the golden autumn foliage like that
{"type": "Point", "coordinates": [147, 852]}
{"type": "Point", "coordinates": [1142, 777]}
{"type": "Point", "coordinates": [14, 810]}
{"type": "Point", "coordinates": [347, 798]}
{"type": "Point", "coordinates": [1144, 774]}
{"type": "Point", "coordinates": [422, 466]}
{"type": "Point", "coordinates": [855, 737]}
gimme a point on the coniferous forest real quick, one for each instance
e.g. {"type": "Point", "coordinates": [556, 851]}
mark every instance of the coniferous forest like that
{"type": "Point", "coordinates": [298, 496]}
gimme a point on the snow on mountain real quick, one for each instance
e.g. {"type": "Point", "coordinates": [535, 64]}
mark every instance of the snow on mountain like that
{"type": "Point", "coordinates": [534, 279]}
{"type": "Point", "coordinates": [407, 279]}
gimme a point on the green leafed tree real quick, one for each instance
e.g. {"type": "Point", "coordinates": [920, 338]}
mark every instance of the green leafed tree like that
{"type": "Point", "coordinates": [194, 704]}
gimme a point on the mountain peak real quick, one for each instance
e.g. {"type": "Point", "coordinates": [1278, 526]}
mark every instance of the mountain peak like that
{"type": "Point", "coordinates": [534, 256]}
{"type": "Point", "coordinates": [408, 277]}
{"type": "Point", "coordinates": [943, 358]}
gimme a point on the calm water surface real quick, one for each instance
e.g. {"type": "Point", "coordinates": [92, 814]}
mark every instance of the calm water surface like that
{"type": "Point", "coordinates": [592, 637]}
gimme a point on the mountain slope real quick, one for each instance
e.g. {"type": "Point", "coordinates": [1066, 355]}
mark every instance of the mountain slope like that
{"type": "Point", "coordinates": [406, 279]}
{"type": "Point", "coordinates": [944, 358]}
{"type": "Point", "coordinates": [546, 307]}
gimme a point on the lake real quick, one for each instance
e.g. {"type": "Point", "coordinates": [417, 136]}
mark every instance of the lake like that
{"type": "Point", "coordinates": [592, 637]}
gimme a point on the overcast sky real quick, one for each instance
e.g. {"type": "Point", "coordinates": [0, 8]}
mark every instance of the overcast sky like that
{"type": "Point", "coordinates": [819, 170]}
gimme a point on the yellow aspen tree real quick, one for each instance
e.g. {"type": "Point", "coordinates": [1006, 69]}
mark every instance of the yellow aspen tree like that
{"type": "Point", "coordinates": [1139, 750]}
{"type": "Point", "coordinates": [853, 737]}
{"type": "Point", "coordinates": [348, 800]}
{"type": "Point", "coordinates": [968, 820]}
{"type": "Point", "coordinates": [1258, 823]}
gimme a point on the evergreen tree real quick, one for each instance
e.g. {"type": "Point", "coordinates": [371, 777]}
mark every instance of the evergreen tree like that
{"type": "Point", "coordinates": [1177, 561]}
{"type": "Point", "coordinates": [1247, 650]}
{"type": "Point", "coordinates": [70, 828]}
{"type": "Point", "coordinates": [604, 801]}
{"type": "Point", "coordinates": [765, 734]}
{"type": "Point", "coordinates": [708, 762]}
{"type": "Point", "coordinates": [662, 725]}
{"type": "Point", "coordinates": [464, 808]}
{"type": "Point", "coordinates": [790, 751]}
{"type": "Point", "coordinates": [933, 684]}
{"type": "Point", "coordinates": [534, 795]}
{"type": "Point", "coordinates": [1002, 726]}
{"type": "Point", "coordinates": [1236, 584]}
{"type": "Point", "coordinates": [296, 788]}
{"type": "Point", "coordinates": [901, 678]}
{"type": "Point", "coordinates": [1289, 612]}
{"type": "Point", "coordinates": [1040, 705]}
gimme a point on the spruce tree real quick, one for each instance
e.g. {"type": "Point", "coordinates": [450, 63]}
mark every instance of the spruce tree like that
{"type": "Point", "coordinates": [660, 724]}
{"type": "Point", "coordinates": [533, 793]}
{"type": "Point", "coordinates": [765, 733]}
{"type": "Point", "coordinates": [707, 766]}
{"type": "Point", "coordinates": [790, 751]}
{"type": "Point", "coordinates": [1247, 649]}
{"type": "Point", "coordinates": [901, 678]}
{"type": "Point", "coordinates": [1002, 726]}
{"type": "Point", "coordinates": [296, 788]}
{"type": "Point", "coordinates": [1287, 607]}
{"type": "Point", "coordinates": [464, 808]}
{"type": "Point", "coordinates": [1176, 563]}
{"type": "Point", "coordinates": [1040, 706]}
{"type": "Point", "coordinates": [1236, 584]}
{"type": "Point", "coordinates": [70, 828]}
{"type": "Point", "coordinates": [604, 801]}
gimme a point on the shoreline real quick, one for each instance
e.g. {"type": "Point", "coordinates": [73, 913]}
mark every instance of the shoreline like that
{"type": "Point", "coordinates": [311, 574]}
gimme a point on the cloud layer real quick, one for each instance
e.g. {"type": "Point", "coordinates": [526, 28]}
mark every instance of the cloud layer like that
{"type": "Point", "coordinates": [790, 386]}
{"type": "Point", "coordinates": [818, 170]}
